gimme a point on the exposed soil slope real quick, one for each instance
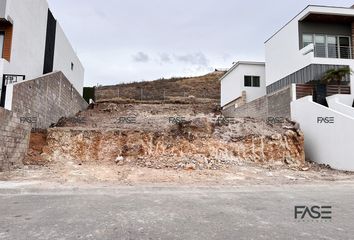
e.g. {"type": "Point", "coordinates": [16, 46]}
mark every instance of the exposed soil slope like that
{"type": "Point", "coordinates": [171, 136]}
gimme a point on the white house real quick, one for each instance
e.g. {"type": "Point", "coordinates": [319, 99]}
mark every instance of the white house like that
{"type": "Point", "coordinates": [32, 43]}
{"type": "Point", "coordinates": [319, 38]}
{"type": "Point", "coordinates": [243, 83]}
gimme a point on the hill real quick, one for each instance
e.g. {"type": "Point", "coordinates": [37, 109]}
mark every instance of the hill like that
{"type": "Point", "coordinates": [207, 86]}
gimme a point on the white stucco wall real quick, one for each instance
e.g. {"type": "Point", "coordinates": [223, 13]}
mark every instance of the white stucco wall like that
{"type": "Point", "coordinates": [8, 97]}
{"type": "Point", "coordinates": [327, 143]}
{"type": "Point", "coordinates": [2, 8]}
{"type": "Point", "coordinates": [232, 84]}
{"type": "Point", "coordinates": [64, 55]}
{"type": "Point", "coordinates": [283, 56]}
{"type": "Point", "coordinates": [29, 20]}
{"type": "Point", "coordinates": [29, 35]}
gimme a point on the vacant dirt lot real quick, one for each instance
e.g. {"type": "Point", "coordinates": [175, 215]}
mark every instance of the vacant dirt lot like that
{"type": "Point", "coordinates": [177, 140]}
{"type": "Point", "coordinates": [95, 147]}
{"type": "Point", "coordinates": [243, 173]}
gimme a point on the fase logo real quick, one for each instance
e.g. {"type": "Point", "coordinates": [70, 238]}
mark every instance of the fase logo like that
{"type": "Point", "coordinates": [225, 120]}
{"type": "Point", "coordinates": [126, 120]}
{"type": "Point", "coordinates": [325, 120]}
{"type": "Point", "coordinates": [28, 120]}
{"type": "Point", "coordinates": [313, 212]}
{"type": "Point", "coordinates": [177, 120]}
{"type": "Point", "coordinates": [275, 120]}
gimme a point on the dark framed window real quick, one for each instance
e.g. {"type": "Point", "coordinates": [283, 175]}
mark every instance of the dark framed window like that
{"type": "Point", "coordinates": [252, 81]}
{"type": "Point", "coordinates": [248, 81]}
{"type": "Point", "coordinates": [256, 81]}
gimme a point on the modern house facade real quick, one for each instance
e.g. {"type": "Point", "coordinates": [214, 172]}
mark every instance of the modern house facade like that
{"type": "Point", "coordinates": [34, 44]}
{"type": "Point", "coordinates": [318, 39]}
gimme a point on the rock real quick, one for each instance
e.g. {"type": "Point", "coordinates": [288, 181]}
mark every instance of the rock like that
{"type": "Point", "coordinates": [119, 159]}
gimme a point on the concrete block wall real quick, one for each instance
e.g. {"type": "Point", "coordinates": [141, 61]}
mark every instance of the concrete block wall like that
{"type": "Point", "coordinates": [46, 99]}
{"type": "Point", "coordinates": [256, 109]}
{"type": "Point", "coordinates": [276, 104]}
{"type": "Point", "coordinates": [14, 139]}
{"type": "Point", "coordinates": [279, 103]}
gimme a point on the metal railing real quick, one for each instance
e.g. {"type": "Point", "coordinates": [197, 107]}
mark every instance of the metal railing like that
{"type": "Point", "coordinates": [343, 52]}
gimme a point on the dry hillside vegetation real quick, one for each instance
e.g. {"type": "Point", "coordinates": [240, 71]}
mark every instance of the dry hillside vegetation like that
{"type": "Point", "coordinates": [207, 86]}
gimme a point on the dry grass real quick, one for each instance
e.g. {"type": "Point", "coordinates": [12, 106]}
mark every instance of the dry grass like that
{"type": "Point", "coordinates": [207, 86]}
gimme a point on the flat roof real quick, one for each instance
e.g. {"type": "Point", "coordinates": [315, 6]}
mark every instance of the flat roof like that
{"type": "Point", "coordinates": [241, 63]}
{"type": "Point", "coordinates": [306, 8]}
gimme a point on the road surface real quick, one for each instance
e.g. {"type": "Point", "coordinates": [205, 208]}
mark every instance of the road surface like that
{"type": "Point", "coordinates": [166, 212]}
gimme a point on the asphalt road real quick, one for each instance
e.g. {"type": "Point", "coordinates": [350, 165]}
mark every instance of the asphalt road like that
{"type": "Point", "coordinates": [253, 212]}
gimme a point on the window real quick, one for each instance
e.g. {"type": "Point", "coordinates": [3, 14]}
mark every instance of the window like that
{"type": "Point", "coordinates": [329, 46]}
{"type": "Point", "coordinates": [332, 46]}
{"type": "Point", "coordinates": [252, 81]}
{"type": "Point", "coordinates": [344, 47]}
{"type": "Point", "coordinates": [2, 37]}
{"type": "Point", "coordinates": [248, 81]}
{"type": "Point", "coordinates": [307, 39]}
{"type": "Point", "coordinates": [320, 46]}
{"type": "Point", "coordinates": [256, 81]}
{"type": "Point", "coordinates": [72, 66]}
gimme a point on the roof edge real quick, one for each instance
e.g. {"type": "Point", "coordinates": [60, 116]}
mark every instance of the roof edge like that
{"type": "Point", "coordinates": [308, 6]}
{"type": "Point", "coordinates": [241, 63]}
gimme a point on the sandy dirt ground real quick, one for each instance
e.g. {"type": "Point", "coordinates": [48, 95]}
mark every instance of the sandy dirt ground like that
{"type": "Point", "coordinates": [246, 173]}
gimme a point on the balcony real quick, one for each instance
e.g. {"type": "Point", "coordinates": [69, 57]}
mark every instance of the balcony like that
{"type": "Point", "coordinates": [343, 52]}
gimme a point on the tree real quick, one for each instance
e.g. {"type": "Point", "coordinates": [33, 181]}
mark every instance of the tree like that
{"type": "Point", "coordinates": [336, 75]}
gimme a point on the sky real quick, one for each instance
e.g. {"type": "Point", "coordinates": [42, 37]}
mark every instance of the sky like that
{"type": "Point", "coordinates": [121, 41]}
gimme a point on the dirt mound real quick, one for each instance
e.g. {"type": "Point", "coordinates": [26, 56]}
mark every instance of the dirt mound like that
{"type": "Point", "coordinates": [171, 149]}
{"type": "Point", "coordinates": [171, 136]}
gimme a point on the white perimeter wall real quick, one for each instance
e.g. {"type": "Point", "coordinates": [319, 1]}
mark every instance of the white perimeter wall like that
{"type": "Point", "coordinates": [327, 143]}
{"type": "Point", "coordinates": [283, 56]}
{"type": "Point", "coordinates": [341, 103]}
{"type": "Point", "coordinates": [64, 55]}
{"type": "Point", "coordinates": [232, 84]}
